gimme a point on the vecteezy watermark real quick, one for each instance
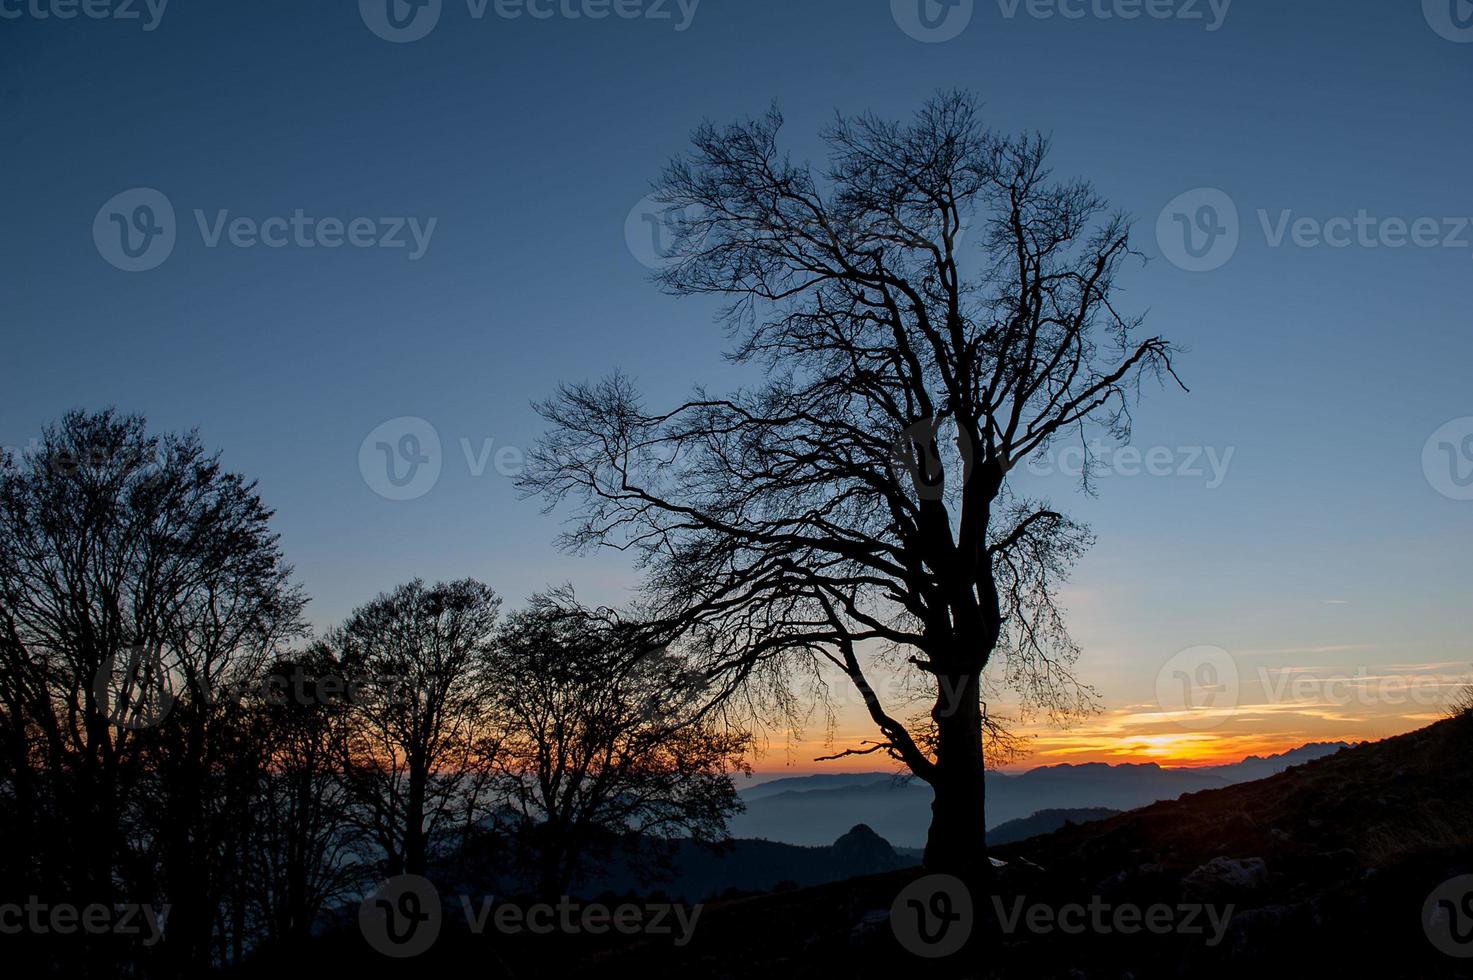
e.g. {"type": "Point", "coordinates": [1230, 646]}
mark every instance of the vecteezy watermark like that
{"type": "Point", "coordinates": [1199, 687]}
{"type": "Point", "coordinates": [403, 916]}
{"type": "Point", "coordinates": [1364, 230]}
{"type": "Point", "coordinates": [892, 687]}
{"type": "Point", "coordinates": [1212, 14]}
{"type": "Point", "coordinates": [63, 461]}
{"type": "Point", "coordinates": [660, 232]}
{"type": "Point", "coordinates": [652, 229]}
{"type": "Point", "coordinates": [1362, 686]}
{"type": "Point", "coordinates": [1447, 459]}
{"type": "Point", "coordinates": [147, 12]}
{"type": "Point", "coordinates": [401, 459]}
{"type": "Point", "coordinates": [132, 688]}
{"type": "Point", "coordinates": [932, 916]}
{"type": "Point", "coordinates": [62, 919]}
{"type": "Point", "coordinates": [1104, 918]}
{"type": "Point", "coordinates": [1202, 686]}
{"type": "Point", "coordinates": [1451, 19]}
{"type": "Point", "coordinates": [136, 689]}
{"type": "Point", "coordinates": [136, 230]}
{"type": "Point", "coordinates": [1207, 463]}
{"type": "Point", "coordinates": [932, 21]}
{"type": "Point", "coordinates": [402, 21]}
{"type": "Point", "coordinates": [1447, 917]}
{"type": "Point", "coordinates": [1200, 230]}
{"type": "Point", "coordinates": [568, 917]}
{"type": "Point", "coordinates": [916, 456]}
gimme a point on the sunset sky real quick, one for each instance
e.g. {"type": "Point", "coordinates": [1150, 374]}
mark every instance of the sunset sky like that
{"type": "Point", "coordinates": [1282, 699]}
{"type": "Point", "coordinates": [1288, 528]}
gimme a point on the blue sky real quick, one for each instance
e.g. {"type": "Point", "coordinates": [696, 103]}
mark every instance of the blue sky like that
{"type": "Point", "coordinates": [527, 141]}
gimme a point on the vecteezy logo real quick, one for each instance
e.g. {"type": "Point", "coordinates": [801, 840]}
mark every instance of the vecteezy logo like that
{"type": "Point", "coordinates": [131, 688]}
{"type": "Point", "coordinates": [400, 21]}
{"type": "Point", "coordinates": [401, 917]}
{"type": "Point", "coordinates": [1447, 459]}
{"type": "Point", "coordinates": [134, 231]}
{"type": "Point", "coordinates": [1452, 19]}
{"type": "Point", "coordinates": [932, 916]}
{"type": "Point", "coordinates": [654, 227]}
{"type": "Point", "coordinates": [1447, 917]}
{"type": "Point", "coordinates": [400, 459]}
{"type": "Point", "coordinates": [1200, 686]}
{"type": "Point", "coordinates": [1199, 230]}
{"type": "Point", "coordinates": [917, 455]}
{"type": "Point", "coordinates": [932, 21]}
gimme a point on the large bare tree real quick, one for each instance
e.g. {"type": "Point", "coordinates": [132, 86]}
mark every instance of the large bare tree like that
{"type": "Point", "coordinates": [138, 579]}
{"type": "Point", "coordinates": [858, 495]}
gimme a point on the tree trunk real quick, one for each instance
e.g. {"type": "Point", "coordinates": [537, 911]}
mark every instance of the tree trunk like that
{"type": "Point", "coordinates": [956, 843]}
{"type": "Point", "coordinates": [415, 849]}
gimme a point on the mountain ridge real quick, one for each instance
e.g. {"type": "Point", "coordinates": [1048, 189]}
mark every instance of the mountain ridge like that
{"type": "Point", "coordinates": [814, 810]}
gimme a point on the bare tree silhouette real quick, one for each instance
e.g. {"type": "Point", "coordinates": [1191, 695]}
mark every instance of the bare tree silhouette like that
{"type": "Point", "coordinates": [419, 750]}
{"type": "Point", "coordinates": [138, 578]}
{"type": "Point", "coordinates": [605, 735]}
{"type": "Point", "coordinates": [305, 848]}
{"type": "Point", "coordinates": [860, 493]}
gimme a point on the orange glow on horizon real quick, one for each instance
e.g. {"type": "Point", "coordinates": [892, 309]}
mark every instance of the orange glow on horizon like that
{"type": "Point", "coordinates": [1134, 734]}
{"type": "Point", "coordinates": [1170, 751]}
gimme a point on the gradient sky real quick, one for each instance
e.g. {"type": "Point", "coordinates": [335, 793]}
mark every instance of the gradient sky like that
{"type": "Point", "coordinates": [1325, 546]}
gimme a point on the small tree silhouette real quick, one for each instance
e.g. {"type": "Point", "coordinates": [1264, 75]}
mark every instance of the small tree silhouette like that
{"type": "Point", "coordinates": [605, 735]}
{"type": "Point", "coordinates": [418, 748]}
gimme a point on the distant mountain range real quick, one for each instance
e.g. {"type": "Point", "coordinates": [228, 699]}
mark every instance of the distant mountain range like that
{"type": "Point", "coordinates": [816, 810]}
{"type": "Point", "coordinates": [699, 873]}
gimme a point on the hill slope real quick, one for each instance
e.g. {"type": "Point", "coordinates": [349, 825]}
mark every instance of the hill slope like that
{"type": "Point", "coordinates": [1322, 868]}
{"type": "Point", "coordinates": [1044, 822]}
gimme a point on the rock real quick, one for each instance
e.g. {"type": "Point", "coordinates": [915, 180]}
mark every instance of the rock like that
{"type": "Point", "coordinates": [871, 926]}
{"type": "Point", "coordinates": [1340, 861]}
{"type": "Point", "coordinates": [1112, 886]}
{"type": "Point", "coordinates": [1225, 877]}
{"type": "Point", "coordinates": [1256, 930]}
